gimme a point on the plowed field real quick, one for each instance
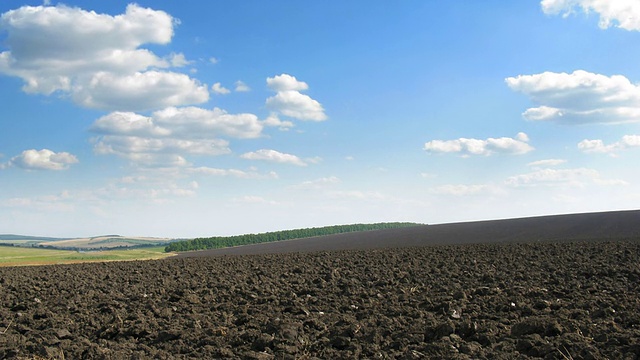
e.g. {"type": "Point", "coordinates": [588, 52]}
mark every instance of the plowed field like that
{"type": "Point", "coordinates": [552, 300]}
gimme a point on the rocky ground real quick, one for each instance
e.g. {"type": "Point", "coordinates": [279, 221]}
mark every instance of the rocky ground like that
{"type": "Point", "coordinates": [551, 300]}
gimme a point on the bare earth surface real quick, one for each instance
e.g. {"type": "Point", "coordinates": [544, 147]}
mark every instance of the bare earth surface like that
{"type": "Point", "coordinates": [515, 298]}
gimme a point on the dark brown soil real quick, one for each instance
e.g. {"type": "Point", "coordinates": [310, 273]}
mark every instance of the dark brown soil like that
{"type": "Point", "coordinates": [509, 300]}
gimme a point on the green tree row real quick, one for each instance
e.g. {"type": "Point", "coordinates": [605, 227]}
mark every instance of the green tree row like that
{"type": "Point", "coordinates": [228, 241]}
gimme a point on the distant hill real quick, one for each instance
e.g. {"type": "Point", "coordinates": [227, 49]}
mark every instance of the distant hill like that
{"type": "Point", "coordinates": [103, 242]}
{"type": "Point", "coordinates": [5, 237]}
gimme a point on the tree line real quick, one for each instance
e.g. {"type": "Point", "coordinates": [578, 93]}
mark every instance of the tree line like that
{"type": "Point", "coordinates": [217, 242]}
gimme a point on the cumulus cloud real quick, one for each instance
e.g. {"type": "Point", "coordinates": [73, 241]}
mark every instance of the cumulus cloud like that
{"type": "Point", "coordinates": [97, 59]}
{"type": "Point", "coordinates": [217, 88]}
{"type": "Point", "coordinates": [466, 147]}
{"type": "Point", "coordinates": [274, 121]}
{"type": "Point", "coordinates": [598, 146]}
{"type": "Point", "coordinates": [274, 156]}
{"type": "Point", "coordinates": [285, 82]}
{"type": "Point", "coordinates": [140, 91]}
{"type": "Point", "coordinates": [168, 135]}
{"type": "Point", "coordinates": [203, 123]}
{"type": "Point", "coordinates": [289, 101]}
{"type": "Point", "coordinates": [624, 14]}
{"type": "Point", "coordinates": [579, 98]}
{"type": "Point", "coordinates": [44, 159]}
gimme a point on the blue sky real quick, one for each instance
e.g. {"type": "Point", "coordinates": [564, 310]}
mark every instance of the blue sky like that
{"type": "Point", "coordinates": [215, 118]}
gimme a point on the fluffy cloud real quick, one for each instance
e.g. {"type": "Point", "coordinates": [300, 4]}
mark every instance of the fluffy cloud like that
{"type": "Point", "coordinates": [183, 123]}
{"type": "Point", "coordinates": [274, 156]}
{"type": "Point", "coordinates": [217, 88]}
{"type": "Point", "coordinates": [289, 101]}
{"type": "Point", "coordinates": [466, 147]}
{"type": "Point", "coordinates": [598, 146]}
{"type": "Point", "coordinates": [580, 97]}
{"type": "Point", "coordinates": [44, 159]}
{"type": "Point", "coordinates": [167, 136]}
{"type": "Point", "coordinates": [274, 121]}
{"type": "Point", "coordinates": [140, 91]}
{"type": "Point", "coordinates": [96, 58]}
{"type": "Point", "coordinates": [198, 122]}
{"type": "Point", "coordinates": [285, 82]}
{"type": "Point", "coordinates": [624, 14]}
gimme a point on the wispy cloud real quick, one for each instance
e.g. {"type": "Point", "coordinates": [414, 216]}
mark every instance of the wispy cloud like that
{"type": "Point", "coordinates": [577, 177]}
{"type": "Point", "coordinates": [547, 162]}
{"type": "Point", "coordinates": [241, 86]}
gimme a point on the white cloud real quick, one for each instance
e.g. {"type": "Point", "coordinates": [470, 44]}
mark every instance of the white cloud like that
{"type": "Point", "coordinates": [128, 123]}
{"type": "Point", "coordinates": [168, 135]}
{"type": "Point", "coordinates": [466, 147]}
{"type": "Point", "coordinates": [203, 170]}
{"type": "Point", "coordinates": [288, 100]}
{"type": "Point", "coordinates": [598, 146]}
{"type": "Point", "coordinates": [202, 123]}
{"type": "Point", "coordinates": [547, 162]}
{"type": "Point", "coordinates": [285, 82]}
{"type": "Point", "coordinates": [274, 156]}
{"type": "Point", "coordinates": [140, 91]}
{"type": "Point", "coordinates": [318, 184]}
{"type": "Point", "coordinates": [242, 87]}
{"type": "Point", "coordinates": [44, 159]}
{"type": "Point", "coordinates": [178, 60]}
{"type": "Point", "coordinates": [217, 88]}
{"type": "Point", "coordinates": [96, 58]}
{"type": "Point", "coordinates": [132, 146]}
{"type": "Point", "coordinates": [579, 98]}
{"type": "Point", "coordinates": [274, 121]}
{"type": "Point", "coordinates": [578, 177]}
{"type": "Point", "coordinates": [624, 14]}
{"type": "Point", "coordinates": [213, 60]}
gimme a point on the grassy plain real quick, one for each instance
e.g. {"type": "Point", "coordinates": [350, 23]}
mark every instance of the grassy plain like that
{"type": "Point", "coordinates": [20, 256]}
